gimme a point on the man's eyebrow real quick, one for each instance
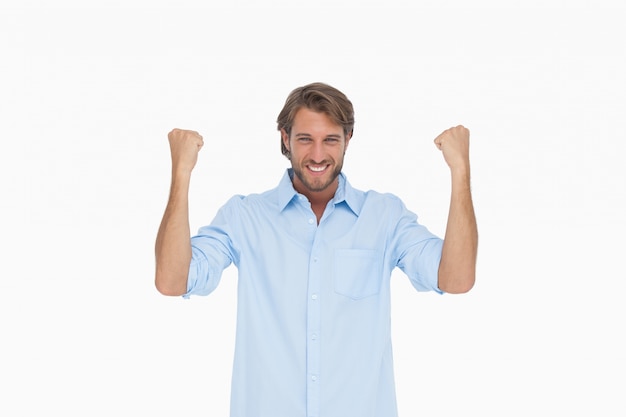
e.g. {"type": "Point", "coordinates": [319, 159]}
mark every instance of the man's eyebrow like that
{"type": "Point", "coordinates": [328, 136]}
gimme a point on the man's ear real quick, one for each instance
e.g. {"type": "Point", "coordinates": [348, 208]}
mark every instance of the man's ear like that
{"type": "Point", "coordinates": [348, 137]}
{"type": "Point", "coordinates": [285, 137]}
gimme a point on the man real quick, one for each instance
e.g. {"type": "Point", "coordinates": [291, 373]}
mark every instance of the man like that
{"type": "Point", "coordinates": [315, 258]}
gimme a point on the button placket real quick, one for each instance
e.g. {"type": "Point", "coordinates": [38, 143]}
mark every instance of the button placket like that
{"type": "Point", "coordinates": [313, 326]}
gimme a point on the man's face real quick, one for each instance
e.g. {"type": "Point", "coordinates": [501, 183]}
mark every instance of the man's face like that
{"type": "Point", "coordinates": [317, 145]}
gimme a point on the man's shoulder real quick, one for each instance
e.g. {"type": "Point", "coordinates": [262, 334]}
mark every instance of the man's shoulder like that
{"type": "Point", "coordinates": [266, 198]}
{"type": "Point", "coordinates": [375, 196]}
{"type": "Point", "coordinates": [374, 203]}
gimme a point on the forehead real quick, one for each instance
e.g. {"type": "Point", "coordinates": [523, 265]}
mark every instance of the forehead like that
{"type": "Point", "coordinates": [312, 122]}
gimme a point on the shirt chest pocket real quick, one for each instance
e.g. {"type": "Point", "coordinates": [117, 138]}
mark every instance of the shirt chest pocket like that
{"type": "Point", "coordinates": [357, 273]}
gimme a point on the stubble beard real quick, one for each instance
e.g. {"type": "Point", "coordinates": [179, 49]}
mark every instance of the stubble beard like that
{"type": "Point", "coordinates": [316, 185]}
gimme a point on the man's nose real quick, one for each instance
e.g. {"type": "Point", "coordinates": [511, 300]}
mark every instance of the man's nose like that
{"type": "Point", "coordinates": [317, 153]}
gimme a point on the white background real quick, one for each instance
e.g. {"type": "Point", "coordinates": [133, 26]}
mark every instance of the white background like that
{"type": "Point", "coordinates": [88, 95]}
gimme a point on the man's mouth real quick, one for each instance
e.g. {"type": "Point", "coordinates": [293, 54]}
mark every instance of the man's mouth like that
{"type": "Point", "coordinates": [315, 168]}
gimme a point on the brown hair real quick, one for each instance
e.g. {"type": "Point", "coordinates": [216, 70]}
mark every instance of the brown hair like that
{"type": "Point", "coordinates": [318, 97]}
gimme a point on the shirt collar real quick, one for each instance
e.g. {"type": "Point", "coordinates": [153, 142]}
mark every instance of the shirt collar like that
{"type": "Point", "coordinates": [353, 199]}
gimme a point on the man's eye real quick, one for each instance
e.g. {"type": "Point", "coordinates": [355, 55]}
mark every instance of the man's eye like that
{"type": "Point", "coordinates": [332, 140]}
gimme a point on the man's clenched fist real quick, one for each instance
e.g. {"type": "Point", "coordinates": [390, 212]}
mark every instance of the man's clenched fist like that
{"type": "Point", "coordinates": [184, 147]}
{"type": "Point", "coordinates": [454, 143]}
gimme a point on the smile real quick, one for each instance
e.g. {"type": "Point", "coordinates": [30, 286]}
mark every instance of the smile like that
{"type": "Point", "coordinates": [317, 169]}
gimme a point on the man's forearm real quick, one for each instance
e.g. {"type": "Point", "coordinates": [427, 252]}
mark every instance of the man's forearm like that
{"type": "Point", "coordinates": [457, 269]}
{"type": "Point", "coordinates": [173, 246]}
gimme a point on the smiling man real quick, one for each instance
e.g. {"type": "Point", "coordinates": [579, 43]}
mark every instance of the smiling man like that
{"type": "Point", "coordinates": [315, 144]}
{"type": "Point", "coordinates": [315, 257]}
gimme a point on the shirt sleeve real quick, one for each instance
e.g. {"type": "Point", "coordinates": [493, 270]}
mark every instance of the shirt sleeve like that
{"type": "Point", "coordinates": [212, 251]}
{"type": "Point", "coordinates": [418, 251]}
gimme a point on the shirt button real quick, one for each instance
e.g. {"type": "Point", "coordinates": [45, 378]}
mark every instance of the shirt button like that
{"type": "Point", "coordinates": [311, 221]}
{"type": "Point", "coordinates": [314, 259]}
{"type": "Point", "coordinates": [314, 336]}
{"type": "Point", "coordinates": [314, 296]}
{"type": "Point", "coordinates": [314, 378]}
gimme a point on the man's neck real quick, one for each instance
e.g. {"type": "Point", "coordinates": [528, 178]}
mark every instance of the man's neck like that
{"type": "Point", "coordinates": [318, 199]}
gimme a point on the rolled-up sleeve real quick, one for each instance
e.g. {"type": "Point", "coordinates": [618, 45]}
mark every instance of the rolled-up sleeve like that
{"type": "Point", "coordinates": [418, 251]}
{"type": "Point", "coordinates": [212, 251]}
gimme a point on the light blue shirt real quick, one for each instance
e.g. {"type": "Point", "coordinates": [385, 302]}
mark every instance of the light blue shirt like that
{"type": "Point", "coordinates": [313, 313]}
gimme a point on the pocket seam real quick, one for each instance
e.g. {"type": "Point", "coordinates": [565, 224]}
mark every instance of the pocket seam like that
{"type": "Point", "coordinates": [369, 271]}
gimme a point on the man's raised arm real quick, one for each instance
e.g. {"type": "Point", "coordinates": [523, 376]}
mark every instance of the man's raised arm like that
{"type": "Point", "coordinates": [457, 269]}
{"type": "Point", "coordinates": [173, 245]}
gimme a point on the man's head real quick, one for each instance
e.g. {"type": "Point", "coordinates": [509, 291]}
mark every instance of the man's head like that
{"type": "Point", "coordinates": [316, 125]}
{"type": "Point", "coordinates": [320, 98]}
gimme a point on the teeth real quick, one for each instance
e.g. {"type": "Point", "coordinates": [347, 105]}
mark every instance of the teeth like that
{"type": "Point", "coordinates": [317, 169]}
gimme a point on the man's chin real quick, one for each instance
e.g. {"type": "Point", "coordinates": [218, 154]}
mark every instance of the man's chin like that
{"type": "Point", "coordinates": [316, 185]}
